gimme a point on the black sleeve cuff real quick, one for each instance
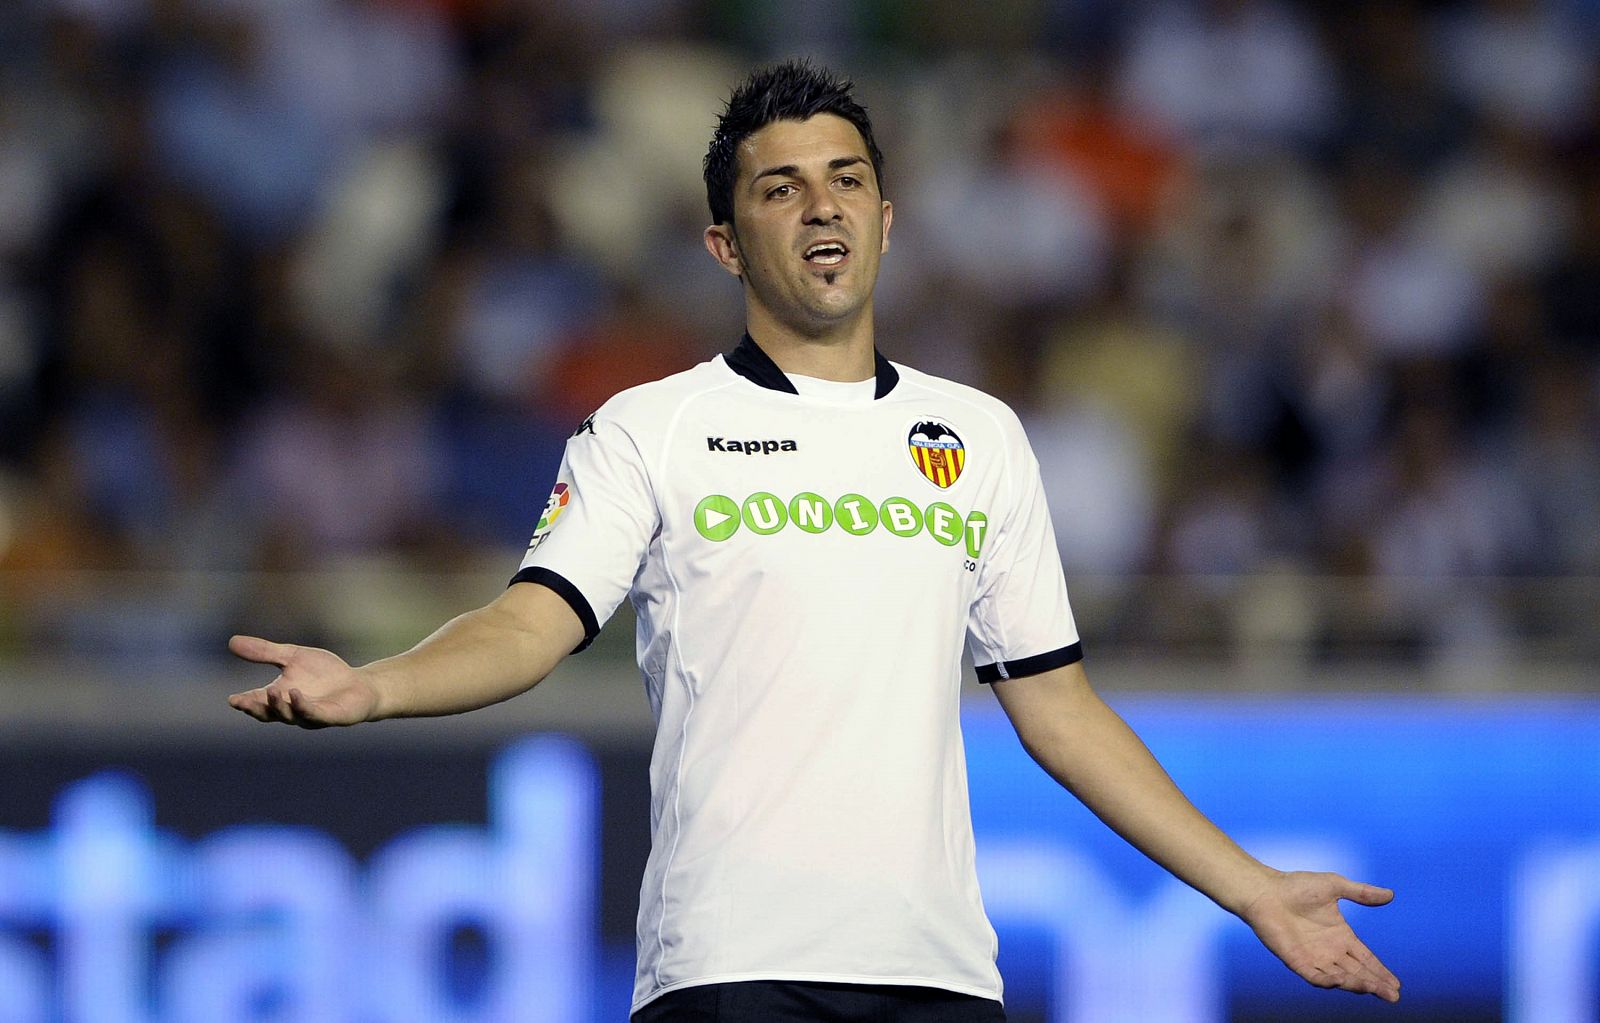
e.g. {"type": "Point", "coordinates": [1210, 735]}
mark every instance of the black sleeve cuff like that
{"type": "Point", "coordinates": [567, 592]}
{"type": "Point", "coordinates": [1038, 664]}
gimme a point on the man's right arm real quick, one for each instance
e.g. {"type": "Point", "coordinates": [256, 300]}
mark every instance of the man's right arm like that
{"type": "Point", "coordinates": [479, 658]}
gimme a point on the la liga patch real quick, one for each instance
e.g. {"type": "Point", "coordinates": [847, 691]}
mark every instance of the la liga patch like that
{"type": "Point", "coordinates": [560, 496]}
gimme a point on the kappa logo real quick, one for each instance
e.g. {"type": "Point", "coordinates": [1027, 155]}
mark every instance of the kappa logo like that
{"type": "Point", "coordinates": [937, 452]}
{"type": "Point", "coordinates": [750, 447]}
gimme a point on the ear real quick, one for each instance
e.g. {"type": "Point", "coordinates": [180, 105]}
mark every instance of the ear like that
{"type": "Point", "coordinates": [724, 248]}
{"type": "Point", "coordinates": [888, 218]}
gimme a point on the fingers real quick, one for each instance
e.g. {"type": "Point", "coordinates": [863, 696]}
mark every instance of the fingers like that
{"type": "Point", "coordinates": [1351, 973]}
{"type": "Point", "coordinates": [262, 651]}
{"type": "Point", "coordinates": [1387, 985]}
{"type": "Point", "coordinates": [1368, 982]}
{"type": "Point", "coordinates": [252, 702]}
{"type": "Point", "coordinates": [303, 712]}
{"type": "Point", "coordinates": [278, 702]}
{"type": "Point", "coordinates": [269, 703]}
{"type": "Point", "coordinates": [1366, 975]}
{"type": "Point", "coordinates": [275, 702]}
{"type": "Point", "coordinates": [1308, 932]}
{"type": "Point", "coordinates": [1352, 968]}
{"type": "Point", "coordinates": [1365, 894]}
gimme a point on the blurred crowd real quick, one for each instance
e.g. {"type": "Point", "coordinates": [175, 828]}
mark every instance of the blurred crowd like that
{"type": "Point", "coordinates": [1281, 290]}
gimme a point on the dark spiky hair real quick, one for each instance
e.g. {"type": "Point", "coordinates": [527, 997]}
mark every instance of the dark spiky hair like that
{"type": "Point", "coordinates": [792, 91]}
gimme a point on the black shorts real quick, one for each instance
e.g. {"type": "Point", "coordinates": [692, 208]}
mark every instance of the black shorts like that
{"type": "Point", "coordinates": [794, 1001]}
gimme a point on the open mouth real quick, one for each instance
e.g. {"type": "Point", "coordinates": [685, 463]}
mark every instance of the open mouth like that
{"type": "Point", "coordinates": [827, 253]}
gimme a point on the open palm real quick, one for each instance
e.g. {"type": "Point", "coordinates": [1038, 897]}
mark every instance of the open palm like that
{"type": "Point", "coordinates": [1297, 917]}
{"type": "Point", "coordinates": [314, 689]}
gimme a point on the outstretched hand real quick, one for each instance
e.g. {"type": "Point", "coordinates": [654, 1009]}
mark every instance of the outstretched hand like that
{"type": "Point", "coordinates": [314, 688]}
{"type": "Point", "coordinates": [1297, 917]}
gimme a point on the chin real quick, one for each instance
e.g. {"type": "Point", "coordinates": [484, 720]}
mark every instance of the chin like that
{"type": "Point", "coordinates": [826, 317]}
{"type": "Point", "coordinates": [839, 301]}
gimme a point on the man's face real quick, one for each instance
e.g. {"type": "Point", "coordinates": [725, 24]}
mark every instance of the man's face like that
{"type": "Point", "coordinates": [809, 225]}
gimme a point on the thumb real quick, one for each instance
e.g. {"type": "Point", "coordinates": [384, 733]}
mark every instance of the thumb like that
{"type": "Point", "coordinates": [262, 651]}
{"type": "Point", "coordinates": [1366, 894]}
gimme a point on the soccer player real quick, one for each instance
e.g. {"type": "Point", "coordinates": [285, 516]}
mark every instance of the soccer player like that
{"type": "Point", "coordinates": [807, 531]}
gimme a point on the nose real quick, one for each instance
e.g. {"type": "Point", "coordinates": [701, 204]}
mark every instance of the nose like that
{"type": "Point", "coordinates": [822, 209]}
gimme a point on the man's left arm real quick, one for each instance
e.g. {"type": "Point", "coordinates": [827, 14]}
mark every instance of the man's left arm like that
{"type": "Point", "coordinates": [1091, 751]}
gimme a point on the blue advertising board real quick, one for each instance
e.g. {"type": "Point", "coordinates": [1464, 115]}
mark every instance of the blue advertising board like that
{"type": "Point", "coordinates": [1483, 816]}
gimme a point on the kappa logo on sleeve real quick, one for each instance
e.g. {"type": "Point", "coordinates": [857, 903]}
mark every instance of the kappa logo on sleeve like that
{"type": "Point", "coordinates": [560, 497]}
{"type": "Point", "coordinates": [937, 452]}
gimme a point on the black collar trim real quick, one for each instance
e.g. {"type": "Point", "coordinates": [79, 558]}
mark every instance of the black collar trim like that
{"type": "Point", "coordinates": [756, 366]}
{"type": "Point", "coordinates": [749, 361]}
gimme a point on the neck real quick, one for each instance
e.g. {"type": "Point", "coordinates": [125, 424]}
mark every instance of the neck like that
{"type": "Point", "coordinates": [845, 354]}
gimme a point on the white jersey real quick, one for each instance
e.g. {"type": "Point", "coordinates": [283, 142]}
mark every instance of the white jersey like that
{"type": "Point", "coordinates": [805, 558]}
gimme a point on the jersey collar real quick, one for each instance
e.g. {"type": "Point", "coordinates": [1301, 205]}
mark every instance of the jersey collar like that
{"type": "Point", "coordinates": [749, 361]}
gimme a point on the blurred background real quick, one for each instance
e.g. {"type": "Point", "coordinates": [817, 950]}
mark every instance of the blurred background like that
{"type": "Point", "coordinates": [299, 300]}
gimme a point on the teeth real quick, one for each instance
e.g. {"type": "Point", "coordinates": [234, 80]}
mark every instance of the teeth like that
{"type": "Point", "coordinates": [827, 253]}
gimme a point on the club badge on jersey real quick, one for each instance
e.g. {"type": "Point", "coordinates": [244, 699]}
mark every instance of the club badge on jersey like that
{"type": "Point", "coordinates": [937, 452]}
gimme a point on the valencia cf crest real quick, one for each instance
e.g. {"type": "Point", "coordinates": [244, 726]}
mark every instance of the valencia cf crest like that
{"type": "Point", "coordinates": [937, 451]}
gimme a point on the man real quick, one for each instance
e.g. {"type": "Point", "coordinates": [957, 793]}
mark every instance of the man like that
{"type": "Point", "coordinates": [806, 530]}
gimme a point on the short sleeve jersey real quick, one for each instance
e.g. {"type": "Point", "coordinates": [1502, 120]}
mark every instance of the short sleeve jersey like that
{"type": "Point", "coordinates": [805, 558]}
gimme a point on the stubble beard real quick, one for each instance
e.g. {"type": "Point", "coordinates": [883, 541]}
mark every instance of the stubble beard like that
{"type": "Point", "coordinates": [807, 314]}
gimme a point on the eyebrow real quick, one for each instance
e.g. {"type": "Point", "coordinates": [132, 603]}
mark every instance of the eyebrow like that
{"type": "Point", "coordinates": [789, 170]}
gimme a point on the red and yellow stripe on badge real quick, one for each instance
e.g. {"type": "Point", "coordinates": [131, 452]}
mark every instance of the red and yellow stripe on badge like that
{"type": "Point", "coordinates": [937, 453]}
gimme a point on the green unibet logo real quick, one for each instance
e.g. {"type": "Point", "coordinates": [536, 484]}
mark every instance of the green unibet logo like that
{"type": "Point", "coordinates": [811, 512]}
{"type": "Point", "coordinates": [718, 517]}
{"type": "Point", "coordinates": [944, 523]}
{"type": "Point", "coordinates": [856, 515]}
{"type": "Point", "coordinates": [765, 514]}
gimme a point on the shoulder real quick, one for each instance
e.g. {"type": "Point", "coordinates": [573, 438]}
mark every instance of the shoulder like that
{"type": "Point", "coordinates": [920, 386]}
{"type": "Point", "coordinates": [651, 406]}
